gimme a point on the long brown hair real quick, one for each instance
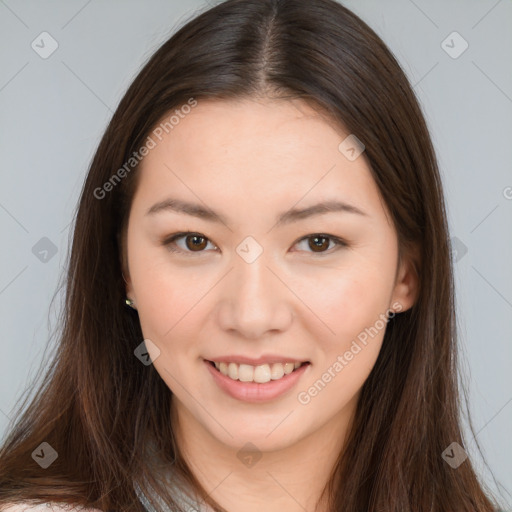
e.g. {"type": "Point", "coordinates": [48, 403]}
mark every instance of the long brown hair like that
{"type": "Point", "coordinates": [100, 409]}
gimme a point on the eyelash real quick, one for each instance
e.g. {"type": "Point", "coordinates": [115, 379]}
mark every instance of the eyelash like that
{"type": "Point", "coordinates": [170, 240]}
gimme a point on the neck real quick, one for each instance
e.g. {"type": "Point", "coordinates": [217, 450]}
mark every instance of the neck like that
{"type": "Point", "coordinates": [291, 477]}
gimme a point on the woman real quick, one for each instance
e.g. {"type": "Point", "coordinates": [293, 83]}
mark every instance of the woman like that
{"type": "Point", "coordinates": [260, 302]}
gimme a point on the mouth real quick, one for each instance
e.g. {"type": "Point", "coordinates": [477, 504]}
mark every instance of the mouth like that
{"type": "Point", "coordinates": [257, 384]}
{"type": "Point", "coordinates": [260, 374]}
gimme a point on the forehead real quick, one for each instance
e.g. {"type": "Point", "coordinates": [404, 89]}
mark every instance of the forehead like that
{"type": "Point", "coordinates": [227, 129]}
{"type": "Point", "coordinates": [266, 150]}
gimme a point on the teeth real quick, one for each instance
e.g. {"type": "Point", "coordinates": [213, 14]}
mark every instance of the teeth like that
{"type": "Point", "coordinates": [233, 371]}
{"type": "Point", "coordinates": [277, 371]}
{"type": "Point", "coordinates": [261, 374]}
{"type": "Point", "coordinates": [288, 368]}
{"type": "Point", "coordinates": [223, 368]}
{"type": "Point", "coordinates": [245, 373]}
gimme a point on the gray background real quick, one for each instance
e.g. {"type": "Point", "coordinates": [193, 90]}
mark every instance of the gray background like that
{"type": "Point", "coordinates": [54, 110]}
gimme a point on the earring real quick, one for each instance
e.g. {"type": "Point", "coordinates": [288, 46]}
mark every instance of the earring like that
{"type": "Point", "coordinates": [129, 302]}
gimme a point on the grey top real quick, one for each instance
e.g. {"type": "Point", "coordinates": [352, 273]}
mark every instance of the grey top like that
{"type": "Point", "coordinates": [182, 494]}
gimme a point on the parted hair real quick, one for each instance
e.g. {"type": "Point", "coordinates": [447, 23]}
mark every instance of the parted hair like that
{"type": "Point", "coordinates": [100, 408]}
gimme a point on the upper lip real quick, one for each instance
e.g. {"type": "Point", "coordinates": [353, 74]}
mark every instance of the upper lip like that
{"type": "Point", "coordinates": [266, 359]}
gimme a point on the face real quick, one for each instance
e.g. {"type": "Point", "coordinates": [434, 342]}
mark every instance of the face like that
{"type": "Point", "coordinates": [252, 274]}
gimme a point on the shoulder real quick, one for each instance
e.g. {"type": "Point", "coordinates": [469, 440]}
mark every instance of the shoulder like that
{"type": "Point", "coordinates": [45, 507]}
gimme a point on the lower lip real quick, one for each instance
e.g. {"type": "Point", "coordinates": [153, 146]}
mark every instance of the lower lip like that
{"type": "Point", "coordinates": [254, 391]}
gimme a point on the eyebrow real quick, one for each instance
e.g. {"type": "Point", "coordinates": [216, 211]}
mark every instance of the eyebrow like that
{"type": "Point", "coordinates": [287, 217]}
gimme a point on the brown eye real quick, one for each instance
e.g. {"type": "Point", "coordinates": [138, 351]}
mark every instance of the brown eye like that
{"type": "Point", "coordinates": [196, 242]}
{"type": "Point", "coordinates": [187, 243]}
{"type": "Point", "coordinates": [318, 243]}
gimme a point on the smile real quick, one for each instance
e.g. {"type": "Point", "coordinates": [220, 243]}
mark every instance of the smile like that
{"type": "Point", "coordinates": [262, 383]}
{"type": "Point", "coordinates": [261, 374]}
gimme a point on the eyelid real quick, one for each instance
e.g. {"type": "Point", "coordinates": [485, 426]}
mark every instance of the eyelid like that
{"type": "Point", "coordinates": [339, 243]}
{"type": "Point", "coordinates": [182, 234]}
{"type": "Point", "coordinates": [167, 241]}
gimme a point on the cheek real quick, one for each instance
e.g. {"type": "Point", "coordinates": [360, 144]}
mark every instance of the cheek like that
{"type": "Point", "coordinates": [163, 296]}
{"type": "Point", "coordinates": [352, 309]}
{"type": "Point", "coordinates": [346, 301]}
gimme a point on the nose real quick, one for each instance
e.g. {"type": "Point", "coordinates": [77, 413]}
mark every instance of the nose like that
{"type": "Point", "coordinates": [254, 300]}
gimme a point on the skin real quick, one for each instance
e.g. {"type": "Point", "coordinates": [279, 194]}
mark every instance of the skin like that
{"type": "Point", "coordinates": [251, 160]}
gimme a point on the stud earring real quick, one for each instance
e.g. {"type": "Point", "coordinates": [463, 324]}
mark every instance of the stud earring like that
{"type": "Point", "coordinates": [129, 302]}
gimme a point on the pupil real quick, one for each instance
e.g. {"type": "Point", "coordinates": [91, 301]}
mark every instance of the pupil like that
{"type": "Point", "coordinates": [195, 238]}
{"type": "Point", "coordinates": [321, 245]}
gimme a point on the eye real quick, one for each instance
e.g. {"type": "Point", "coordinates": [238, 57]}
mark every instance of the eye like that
{"type": "Point", "coordinates": [196, 243]}
{"type": "Point", "coordinates": [319, 243]}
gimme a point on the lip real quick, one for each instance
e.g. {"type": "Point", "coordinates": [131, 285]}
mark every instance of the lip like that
{"type": "Point", "coordinates": [268, 359]}
{"type": "Point", "coordinates": [255, 392]}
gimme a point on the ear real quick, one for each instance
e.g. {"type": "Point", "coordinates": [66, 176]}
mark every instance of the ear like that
{"type": "Point", "coordinates": [407, 281]}
{"type": "Point", "coordinates": [121, 243]}
{"type": "Point", "coordinates": [128, 285]}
